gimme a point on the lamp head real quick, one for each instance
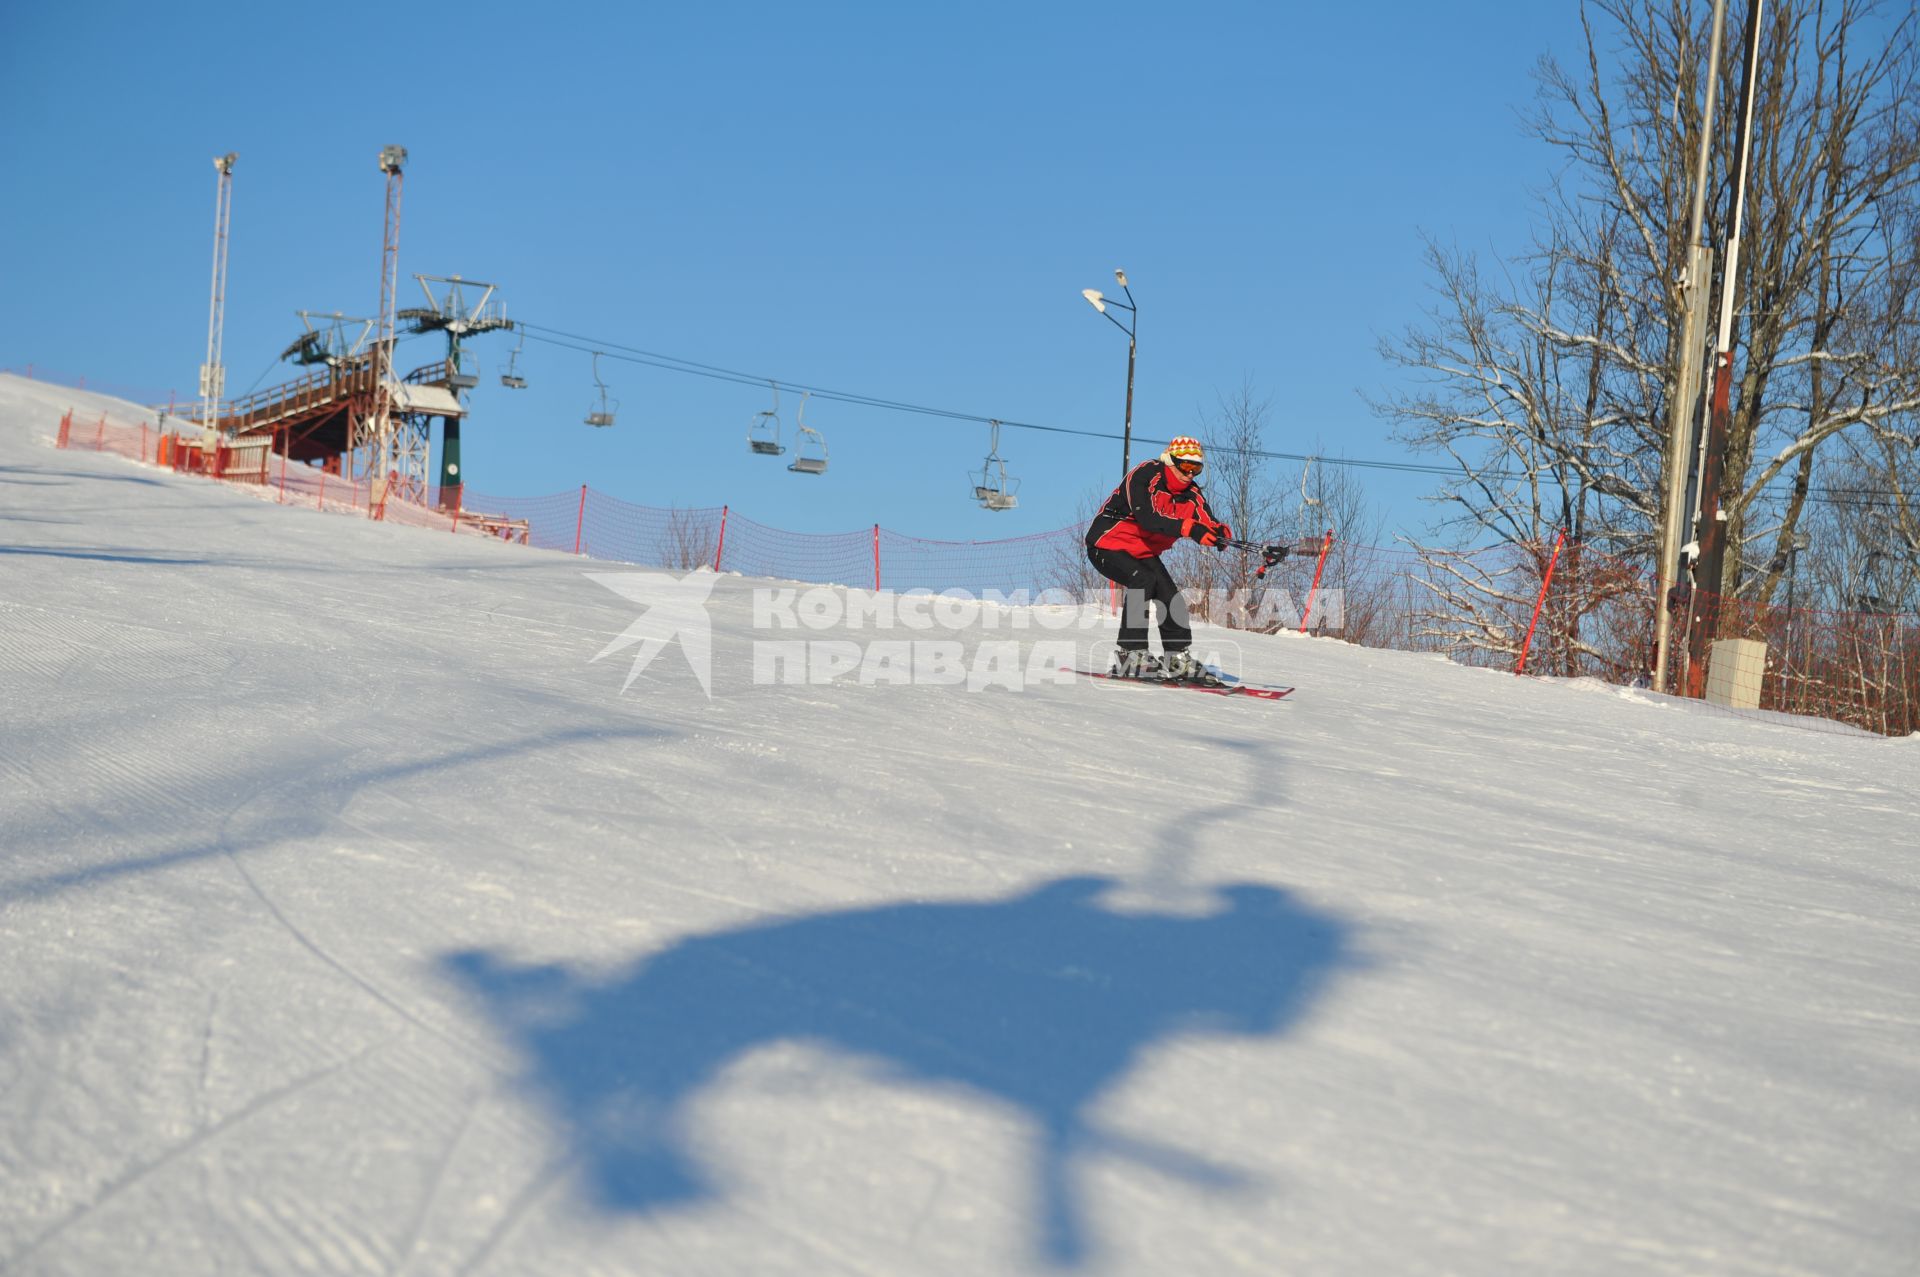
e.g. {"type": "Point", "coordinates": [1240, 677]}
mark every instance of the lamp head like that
{"type": "Point", "coordinates": [1095, 298]}
{"type": "Point", "coordinates": [1121, 276]}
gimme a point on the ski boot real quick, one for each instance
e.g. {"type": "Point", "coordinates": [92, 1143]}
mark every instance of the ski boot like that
{"type": "Point", "coordinates": [1181, 667]}
{"type": "Point", "coordinates": [1142, 665]}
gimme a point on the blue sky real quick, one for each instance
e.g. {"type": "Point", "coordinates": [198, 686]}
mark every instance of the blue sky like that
{"type": "Point", "coordinates": [901, 200]}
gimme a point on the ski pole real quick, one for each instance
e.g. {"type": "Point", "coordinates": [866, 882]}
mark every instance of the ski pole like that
{"type": "Point", "coordinates": [1271, 553]}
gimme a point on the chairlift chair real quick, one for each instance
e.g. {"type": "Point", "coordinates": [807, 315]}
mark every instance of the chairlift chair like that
{"type": "Point", "coordinates": [458, 378]}
{"type": "Point", "coordinates": [603, 416]}
{"type": "Point", "coordinates": [763, 435]}
{"type": "Point", "coordinates": [810, 450]}
{"type": "Point", "coordinates": [1002, 497]}
{"type": "Point", "coordinates": [511, 378]}
{"type": "Point", "coordinates": [992, 489]}
{"type": "Point", "coordinates": [1307, 503]}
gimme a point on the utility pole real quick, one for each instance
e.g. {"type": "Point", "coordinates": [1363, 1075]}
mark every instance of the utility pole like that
{"type": "Point", "coordinates": [1696, 282]}
{"type": "Point", "coordinates": [213, 374]}
{"type": "Point", "coordinates": [1710, 520]}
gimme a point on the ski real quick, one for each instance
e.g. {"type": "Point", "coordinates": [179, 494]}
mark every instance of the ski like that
{"type": "Point", "coordinates": [1257, 692]}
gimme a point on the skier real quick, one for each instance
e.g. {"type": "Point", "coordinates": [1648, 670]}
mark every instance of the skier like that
{"type": "Point", "coordinates": [1157, 504]}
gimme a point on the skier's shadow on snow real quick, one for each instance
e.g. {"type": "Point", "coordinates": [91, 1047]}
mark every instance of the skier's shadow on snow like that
{"type": "Point", "coordinates": [1043, 1001]}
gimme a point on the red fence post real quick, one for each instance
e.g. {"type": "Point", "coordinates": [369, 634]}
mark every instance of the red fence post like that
{"type": "Point", "coordinates": [1306, 613]}
{"type": "Point", "coordinates": [100, 436]}
{"type": "Point", "coordinates": [720, 548]}
{"type": "Point", "coordinates": [580, 521]}
{"type": "Point", "coordinates": [66, 422]}
{"type": "Point", "coordinates": [320, 500]}
{"type": "Point", "coordinates": [1521, 666]}
{"type": "Point", "coordinates": [876, 558]}
{"type": "Point", "coordinates": [286, 446]}
{"type": "Point", "coordinates": [143, 441]}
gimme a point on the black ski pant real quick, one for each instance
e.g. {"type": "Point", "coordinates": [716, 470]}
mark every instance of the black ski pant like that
{"type": "Point", "coordinates": [1145, 581]}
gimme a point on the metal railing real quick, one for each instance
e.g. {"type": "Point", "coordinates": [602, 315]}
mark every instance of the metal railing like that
{"type": "Point", "coordinates": [316, 390]}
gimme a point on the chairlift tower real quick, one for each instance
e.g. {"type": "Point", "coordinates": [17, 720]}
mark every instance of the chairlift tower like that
{"type": "Point", "coordinates": [459, 313]}
{"type": "Point", "coordinates": [213, 374]}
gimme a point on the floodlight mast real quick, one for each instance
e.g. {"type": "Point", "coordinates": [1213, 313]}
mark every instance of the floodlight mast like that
{"type": "Point", "coordinates": [213, 375]}
{"type": "Point", "coordinates": [393, 161]}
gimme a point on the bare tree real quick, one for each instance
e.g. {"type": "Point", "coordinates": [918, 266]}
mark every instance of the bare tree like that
{"type": "Point", "coordinates": [1067, 567]}
{"type": "Point", "coordinates": [1547, 384]}
{"type": "Point", "coordinates": [689, 540]}
{"type": "Point", "coordinates": [1239, 484]}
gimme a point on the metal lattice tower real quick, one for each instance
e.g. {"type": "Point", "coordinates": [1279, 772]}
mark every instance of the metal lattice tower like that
{"type": "Point", "coordinates": [213, 375]}
{"type": "Point", "coordinates": [375, 448]}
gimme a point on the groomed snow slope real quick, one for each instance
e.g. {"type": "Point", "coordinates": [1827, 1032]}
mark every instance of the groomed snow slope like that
{"type": "Point", "coordinates": [353, 921]}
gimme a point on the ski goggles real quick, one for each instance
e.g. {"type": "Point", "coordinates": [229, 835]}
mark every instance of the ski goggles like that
{"type": "Point", "coordinates": [1188, 466]}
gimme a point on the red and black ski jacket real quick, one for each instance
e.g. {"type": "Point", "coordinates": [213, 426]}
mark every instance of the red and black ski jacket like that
{"type": "Point", "coordinates": [1155, 507]}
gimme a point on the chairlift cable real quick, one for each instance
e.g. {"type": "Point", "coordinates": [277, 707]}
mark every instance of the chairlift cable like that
{"type": "Point", "coordinates": [673, 363]}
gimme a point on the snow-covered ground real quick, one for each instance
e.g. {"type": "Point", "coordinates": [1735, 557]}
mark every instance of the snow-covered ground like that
{"type": "Point", "coordinates": [352, 920]}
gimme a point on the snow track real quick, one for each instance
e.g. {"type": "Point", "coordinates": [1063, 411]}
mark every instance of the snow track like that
{"type": "Point", "coordinates": [355, 923]}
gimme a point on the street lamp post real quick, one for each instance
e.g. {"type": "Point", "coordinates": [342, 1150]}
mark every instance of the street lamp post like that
{"type": "Point", "coordinates": [1099, 301]}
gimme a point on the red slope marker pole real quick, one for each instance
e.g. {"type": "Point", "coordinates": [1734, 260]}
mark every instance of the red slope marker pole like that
{"type": "Point", "coordinates": [1306, 614]}
{"type": "Point", "coordinates": [1545, 585]}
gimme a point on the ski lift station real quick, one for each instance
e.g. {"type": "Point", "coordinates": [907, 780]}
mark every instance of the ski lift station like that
{"type": "Point", "coordinates": [351, 412]}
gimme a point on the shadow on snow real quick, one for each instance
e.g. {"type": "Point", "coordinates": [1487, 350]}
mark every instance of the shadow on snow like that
{"type": "Point", "coordinates": [1043, 1001]}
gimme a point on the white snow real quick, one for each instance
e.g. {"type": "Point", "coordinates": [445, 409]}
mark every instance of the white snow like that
{"type": "Point", "coordinates": [353, 921]}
